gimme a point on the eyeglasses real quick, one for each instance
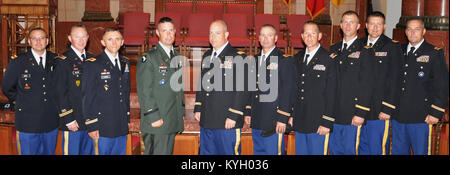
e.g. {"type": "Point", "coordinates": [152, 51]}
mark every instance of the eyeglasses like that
{"type": "Point", "coordinates": [38, 38]}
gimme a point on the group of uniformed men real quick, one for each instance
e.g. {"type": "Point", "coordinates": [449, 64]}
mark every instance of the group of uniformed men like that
{"type": "Point", "coordinates": [339, 102]}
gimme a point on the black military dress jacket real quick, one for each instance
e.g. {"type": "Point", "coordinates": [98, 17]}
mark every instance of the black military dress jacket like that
{"type": "Point", "coordinates": [354, 81]}
{"type": "Point", "coordinates": [424, 85]}
{"type": "Point", "coordinates": [216, 106]}
{"type": "Point", "coordinates": [316, 92]}
{"type": "Point", "coordinates": [30, 88]}
{"type": "Point", "coordinates": [387, 66]}
{"type": "Point", "coordinates": [68, 88]}
{"type": "Point", "coordinates": [106, 96]}
{"type": "Point", "coordinates": [265, 115]}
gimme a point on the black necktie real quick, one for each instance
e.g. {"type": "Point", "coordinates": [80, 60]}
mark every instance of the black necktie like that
{"type": "Point", "coordinates": [171, 54]}
{"type": "Point", "coordinates": [305, 60]}
{"type": "Point", "coordinates": [411, 51]}
{"type": "Point", "coordinates": [263, 58]}
{"type": "Point", "coordinates": [345, 47]}
{"type": "Point", "coordinates": [40, 63]}
{"type": "Point", "coordinates": [117, 66]}
{"type": "Point", "coordinates": [370, 44]}
{"type": "Point", "coordinates": [84, 57]}
{"type": "Point", "coordinates": [214, 56]}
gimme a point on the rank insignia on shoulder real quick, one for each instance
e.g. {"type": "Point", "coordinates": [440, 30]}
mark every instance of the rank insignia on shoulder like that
{"type": "Point", "coordinates": [333, 55]}
{"type": "Point", "coordinates": [91, 59]}
{"type": "Point", "coordinates": [394, 41]}
{"type": "Point", "coordinates": [62, 57]}
{"type": "Point", "coordinates": [240, 52]}
{"type": "Point", "coordinates": [13, 56]}
{"type": "Point", "coordinates": [286, 55]}
{"type": "Point", "coordinates": [437, 48]}
{"type": "Point", "coordinates": [145, 53]}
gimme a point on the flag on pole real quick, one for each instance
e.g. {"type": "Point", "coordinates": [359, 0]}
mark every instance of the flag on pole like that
{"type": "Point", "coordinates": [288, 4]}
{"type": "Point", "coordinates": [315, 7]}
{"type": "Point", "coordinates": [337, 3]}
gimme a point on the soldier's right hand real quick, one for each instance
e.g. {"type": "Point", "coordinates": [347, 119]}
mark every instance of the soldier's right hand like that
{"type": "Point", "coordinates": [197, 116]}
{"type": "Point", "coordinates": [384, 116]}
{"type": "Point", "coordinates": [323, 130]}
{"type": "Point", "coordinates": [158, 123]}
{"type": "Point", "coordinates": [248, 120]}
{"type": "Point", "coordinates": [94, 135]}
{"type": "Point", "coordinates": [73, 127]}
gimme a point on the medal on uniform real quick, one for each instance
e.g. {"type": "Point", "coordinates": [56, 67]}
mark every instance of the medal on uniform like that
{"type": "Point", "coordinates": [421, 74]}
{"type": "Point", "coordinates": [423, 59]}
{"type": "Point", "coordinates": [106, 87]}
{"type": "Point", "coordinates": [105, 75]}
{"type": "Point", "coordinates": [27, 86]}
{"type": "Point", "coordinates": [78, 83]}
{"type": "Point", "coordinates": [355, 54]}
{"type": "Point", "coordinates": [272, 66]}
{"type": "Point", "coordinates": [319, 67]}
{"type": "Point", "coordinates": [162, 68]}
{"type": "Point", "coordinates": [162, 82]}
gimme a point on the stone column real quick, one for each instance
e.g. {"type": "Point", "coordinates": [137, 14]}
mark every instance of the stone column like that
{"type": "Point", "coordinates": [436, 14]}
{"type": "Point", "coordinates": [97, 10]}
{"type": "Point", "coordinates": [410, 8]}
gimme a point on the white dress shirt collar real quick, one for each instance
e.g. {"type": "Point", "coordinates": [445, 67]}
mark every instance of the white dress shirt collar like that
{"type": "Point", "coordinates": [36, 57]}
{"type": "Point", "coordinates": [79, 53]}
{"type": "Point", "coordinates": [112, 58]}
{"type": "Point", "coordinates": [311, 53]}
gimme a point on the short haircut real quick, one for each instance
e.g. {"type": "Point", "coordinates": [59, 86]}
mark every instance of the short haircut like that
{"type": "Point", "coordinates": [415, 18]}
{"type": "Point", "coordinates": [376, 14]}
{"type": "Point", "coordinates": [270, 26]}
{"type": "Point", "coordinates": [111, 29]}
{"type": "Point", "coordinates": [224, 24]}
{"type": "Point", "coordinates": [77, 26]}
{"type": "Point", "coordinates": [311, 23]}
{"type": "Point", "coordinates": [350, 12]}
{"type": "Point", "coordinates": [38, 28]}
{"type": "Point", "coordinates": [164, 20]}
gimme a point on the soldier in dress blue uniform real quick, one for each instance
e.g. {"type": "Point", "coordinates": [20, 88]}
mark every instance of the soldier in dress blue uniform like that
{"type": "Point", "coordinates": [220, 110]}
{"type": "Point", "coordinates": [423, 93]}
{"type": "Point", "coordinates": [27, 83]}
{"type": "Point", "coordinates": [75, 138]}
{"type": "Point", "coordinates": [354, 87]}
{"type": "Point", "coordinates": [268, 127]}
{"type": "Point", "coordinates": [387, 62]}
{"type": "Point", "coordinates": [106, 96]}
{"type": "Point", "coordinates": [313, 115]}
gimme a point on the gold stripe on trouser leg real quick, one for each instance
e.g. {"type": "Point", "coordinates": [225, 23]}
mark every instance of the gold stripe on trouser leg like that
{"type": "Point", "coordinates": [18, 143]}
{"type": "Point", "coordinates": [385, 136]}
{"type": "Point", "coordinates": [66, 142]}
{"type": "Point", "coordinates": [430, 131]}
{"type": "Point", "coordinates": [96, 146]}
{"type": "Point", "coordinates": [325, 144]}
{"type": "Point", "coordinates": [358, 133]}
{"type": "Point", "coordinates": [280, 140]}
{"type": "Point", "coordinates": [238, 141]}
